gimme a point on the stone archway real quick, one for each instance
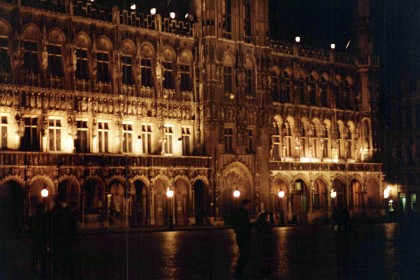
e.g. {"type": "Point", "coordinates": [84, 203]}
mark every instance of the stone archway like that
{"type": "Point", "coordinates": [281, 201]}
{"type": "Point", "coordinates": [92, 203]}
{"type": "Point", "coordinates": [320, 196]}
{"type": "Point", "coordinates": [201, 200]}
{"type": "Point", "coordinates": [235, 178]}
{"type": "Point", "coordinates": [161, 203]}
{"type": "Point", "coordinates": [299, 202]}
{"type": "Point", "coordinates": [341, 200]}
{"type": "Point", "coordinates": [68, 193]}
{"type": "Point", "coordinates": [11, 207]}
{"type": "Point", "coordinates": [373, 195]}
{"type": "Point", "coordinates": [181, 202]}
{"type": "Point", "coordinates": [140, 204]}
{"type": "Point", "coordinates": [356, 196]}
{"type": "Point", "coordinates": [116, 202]}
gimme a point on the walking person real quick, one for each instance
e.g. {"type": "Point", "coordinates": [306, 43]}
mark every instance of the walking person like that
{"type": "Point", "coordinates": [264, 238]}
{"type": "Point", "coordinates": [63, 236]}
{"type": "Point", "coordinates": [38, 230]}
{"type": "Point", "coordinates": [242, 227]}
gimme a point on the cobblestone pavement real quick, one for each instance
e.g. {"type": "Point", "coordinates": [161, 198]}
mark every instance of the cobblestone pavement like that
{"type": "Point", "coordinates": [378, 251]}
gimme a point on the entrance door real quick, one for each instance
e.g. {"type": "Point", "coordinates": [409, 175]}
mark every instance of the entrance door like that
{"type": "Point", "coordinates": [139, 213]}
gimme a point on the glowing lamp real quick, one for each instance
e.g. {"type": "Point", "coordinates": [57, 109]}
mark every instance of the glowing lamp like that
{"type": "Point", "coordinates": [236, 193]}
{"type": "Point", "coordinates": [281, 194]}
{"type": "Point", "coordinates": [169, 193]}
{"type": "Point", "coordinates": [44, 192]}
{"type": "Point", "coordinates": [297, 39]}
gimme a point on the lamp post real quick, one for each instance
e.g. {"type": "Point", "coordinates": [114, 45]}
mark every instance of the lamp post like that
{"type": "Point", "coordinates": [170, 195]}
{"type": "Point", "coordinates": [281, 195]}
{"type": "Point", "coordinates": [44, 195]}
{"type": "Point", "coordinates": [333, 195]}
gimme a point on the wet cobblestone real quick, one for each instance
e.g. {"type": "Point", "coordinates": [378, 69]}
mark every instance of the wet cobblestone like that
{"type": "Point", "coordinates": [379, 251]}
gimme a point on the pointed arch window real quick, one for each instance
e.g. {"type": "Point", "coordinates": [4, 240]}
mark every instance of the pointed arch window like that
{"type": "Point", "coordinates": [168, 82]}
{"type": "Point", "coordinates": [146, 72]}
{"type": "Point", "coordinates": [227, 18]}
{"type": "Point", "coordinates": [127, 69]}
{"type": "Point", "coordinates": [285, 88]}
{"type": "Point", "coordinates": [275, 88]}
{"type": "Point", "coordinates": [185, 77]}
{"type": "Point", "coordinates": [30, 56]}
{"type": "Point", "coordinates": [55, 64]}
{"type": "Point", "coordinates": [323, 93]}
{"type": "Point", "coordinates": [82, 64]}
{"type": "Point", "coordinates": [248, 21]}
{"type": "Point", "coordinates": [4, 55]}
{"type": "Point", "coordinates": [103, 66]}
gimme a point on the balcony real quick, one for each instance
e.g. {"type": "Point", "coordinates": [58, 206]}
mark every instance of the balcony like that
{"type": "Point", "coordinates": [322, 166]}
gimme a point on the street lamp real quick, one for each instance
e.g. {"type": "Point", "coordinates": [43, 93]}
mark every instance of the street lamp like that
{"type": "Point", "coordinates": [170, 195]}
{"type": "Point", "coordinates": [236, 193]}
{"type": "Point", "coordinates": [281, 195]}
{"type": "Point", "coordinates": [44, 195]}
{"type": "Point", "coordinates": [333, 195]}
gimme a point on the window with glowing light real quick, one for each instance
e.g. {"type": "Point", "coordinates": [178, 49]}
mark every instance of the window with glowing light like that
{"type": "Point", "coordinates": [30, 139]}
{"type": "Point", "coordinates": [4, 55]}
{"type": "Point", "coordinates": [103, 136]}
{"type": "Point", "coordinates": [146, 136]}
{"type": "Point", "coordinates": [81, 142]}
{"type": "Point", "coordinates": [186, 140]}
{"type": "Point", "coordinates": [169, 138]}
{"type": "Point", "coordinates": [3, 131]}
{"type": "Point", "coordinates": [127, 138]}
{"type": "Point", "coordinates": [54, 135]}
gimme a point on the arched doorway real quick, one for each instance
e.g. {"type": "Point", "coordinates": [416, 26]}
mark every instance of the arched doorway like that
{"type": "Point", "coordinates": [68, 193]}
{"type": "Point", "coordinates": [11, 207]}
{"type": "Point", "coordinates": [320, 196]}
{"type": "Point", "coordinates": [116, 202]}
{"type": "Point", "coordinates": [200, 202]}
{"type": "Point", "coordinates": [92, 203]}
{"type": "Point", "coordinates": [35, 195]}
{"type": "Point", "coordinates": [236, 180]}
{"type": "Point", "coordinates": [161, 205]}
{"type": "Point", "coordinates": [139, 213]}
{"type": "Point", "coordinates": [299, 202]}
{"type": "Point", "coordinates": [340, 201]}
{"type": "Point", "coordinates": [356, 196]}
{"type": "Point", "coordinates": [181, 202]}
{"type": "Point", "coordinates": [280, 201]}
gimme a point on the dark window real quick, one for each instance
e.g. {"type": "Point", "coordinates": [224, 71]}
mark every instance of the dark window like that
{"type": "Point", "coordinates": [185, 77]}
{"type": "Point", "coordinates": [127, 69]}
{"type": "Point", "coordinates": [82, 64]}
{"type": "Point", "coordinates": [227, 18]}
{"type": "Point", "coordinates": [249, 82]}
{"type": "Point", "coordinates": [247, 21]}
{"type": "Point", "coordinates": [228, 140]}
{"type": "Point", "coordinates": [227, 75]}
{"type": "Point", "coordinates": [30, 140]}
{"type": "Point", "coordinates": [146, 72]}
{"type": "Point", "coordinates": [102, 67]}
{"type": "Point", "coordinates": [4, 55]}
{"type": "Point", "coordinates": [55, 64]}
{"type": "Point", "coordinates": [275, 91]}
{"type": "Point", "coordinates": [168, 81]}
{"type": "Point", "coordinates": [30, 57]}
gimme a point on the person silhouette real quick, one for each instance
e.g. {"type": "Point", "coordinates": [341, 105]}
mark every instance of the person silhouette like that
{"type": "Point", "coordinates": [242, 228]}
{"type": "Point", "coordinates": [264, 240]}
{"type": "Point", "coordinates": [38, 231]}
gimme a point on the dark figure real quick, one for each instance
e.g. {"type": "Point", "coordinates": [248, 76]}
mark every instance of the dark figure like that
{"type": "Point", "coordinates": [264, 245]}
{"type": "Point", "coordinates": [337, 217]}
{"type": "Point", "coordinates": [242, 228]}
{"type": "Point", "coordinates": [38, 230]}
{"type": "Point", "coordinates": [63, 236]}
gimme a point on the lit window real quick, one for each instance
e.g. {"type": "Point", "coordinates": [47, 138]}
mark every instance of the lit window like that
{"type": "Point", "coordinates": [186, 140]}
{"type": "Point", "coordinates": [30, 141]}
{"type": "Point", "coordinates": [3, 131]}
{"type": "Point", "coordinates": [81, 142]}
{"type": "Point", "coordinates": [169, 135]}
{"type": "Point", "coordinates": [146, 135]}
{"type": "Point", "coordinates": [128, 138]}
{"type": "Point", "coordinates": [103, 136]}
{"type": "Point", "coordinates": [54, 133]}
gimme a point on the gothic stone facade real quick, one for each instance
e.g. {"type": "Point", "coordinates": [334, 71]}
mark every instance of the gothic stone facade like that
{"type": "Point", "coordinates": [108, 109]}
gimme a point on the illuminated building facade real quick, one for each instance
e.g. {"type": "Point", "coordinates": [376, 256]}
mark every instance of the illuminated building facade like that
{"type": "Point", "coordinates": [109, 108]}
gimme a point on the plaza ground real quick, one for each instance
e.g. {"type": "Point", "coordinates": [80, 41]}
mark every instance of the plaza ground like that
{"type": "Point", "coordinates": [367, 251]}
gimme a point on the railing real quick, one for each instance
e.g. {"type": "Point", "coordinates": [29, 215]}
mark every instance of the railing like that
{"type": "Point", "coordinates": [318, 166]}
{"type": "Point", "coordinates": [12, 158]}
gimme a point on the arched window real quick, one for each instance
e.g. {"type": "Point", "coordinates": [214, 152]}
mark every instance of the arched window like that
{"type": "Point", "coordinates": [127, 64]}
{"type": "Point", "coordinates": [249, 77]}
{"type": "Point", "coordinates": [228, 75]}
{"type": "Point", "coordinates": [82, 59]}
{"type": "Point", "coordinates": [323, 93]}
{"type": "Point", "coordinates": [54, 49]}
{"type": "Point", "coordinates": [102, 61]}
{"type": "Point", "coordinates": [185, 73]}
{"type": "Point", "coordinates": [227, 19]}
{"type": "Point", "coordinates": [146, 67]}
{"type": "Point", "coordinates": [247, 21]}
{"type": "Point", "coordinates": [31, 50]}
{"type": "Point", "coordinates": [168, 70]}
{"type": "Point", "coordinates": [285, 87]}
